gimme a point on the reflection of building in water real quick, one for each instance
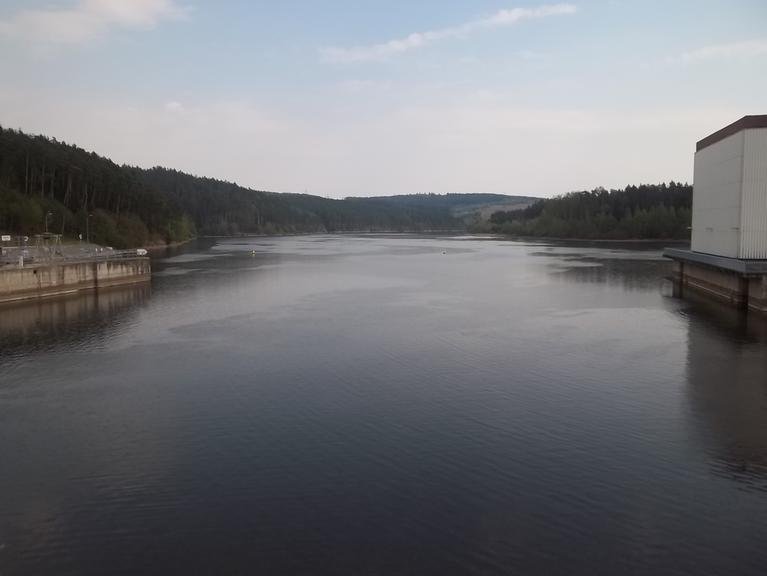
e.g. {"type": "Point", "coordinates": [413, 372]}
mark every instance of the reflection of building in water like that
{"type": "Point", "coordinates": [727, 387]}
{"type": "Point", "coordinates": [629, 275]}
{"type": "Point", "coordinates": [41, 323]}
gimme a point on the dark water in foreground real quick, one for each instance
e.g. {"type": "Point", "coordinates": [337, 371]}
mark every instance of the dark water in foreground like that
{"type": "Point", "coordinates": [370, 405]}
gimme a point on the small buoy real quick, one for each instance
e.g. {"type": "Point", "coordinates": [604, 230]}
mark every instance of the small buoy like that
{"type": "Point", "coordinates": [252, 252]}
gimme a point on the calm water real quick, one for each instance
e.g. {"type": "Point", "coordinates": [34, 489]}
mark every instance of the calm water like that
{"type": "Point", "coordinates": [384, 405]}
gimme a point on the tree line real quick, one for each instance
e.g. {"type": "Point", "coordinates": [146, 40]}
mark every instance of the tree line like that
{"type": "Point", "coordinates": [47, 185]}
{"type": "Point", "coordinates": [648, 211]}
{"type": "Point", "coordinates": [223, 208]}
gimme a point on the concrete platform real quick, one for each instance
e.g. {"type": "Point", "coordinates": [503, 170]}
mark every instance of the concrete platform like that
{"type": "Point", "coordinates": [740, 283]}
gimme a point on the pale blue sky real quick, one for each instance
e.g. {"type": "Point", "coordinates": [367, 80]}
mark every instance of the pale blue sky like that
{"type": "Point", "coordinates": [367, 97]}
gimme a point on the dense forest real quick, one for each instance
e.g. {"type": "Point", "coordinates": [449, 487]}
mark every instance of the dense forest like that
{"type": "Point", "coordinates": [660, 211]}
{"type": "Point", "coordinates": [58, 187]}
{"type": "Point", "coordinates": [47, 185]}
{"type": "Point", "coordinates": [223, 208]}
{"type": "Point", "coordinates": [456, 203]}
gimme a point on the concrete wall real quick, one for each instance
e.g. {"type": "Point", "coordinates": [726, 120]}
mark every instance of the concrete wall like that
{"type": "Point", "coordinates": [757, 294]}
{"type": "Point", "coordinates": [716, 205]}
{"type": "Point", "coordinates": [753, 243]}
{"type": "Point", "coordinates": [721, 285]}
{"type": "Point", "coordinates": [52, 280]}
{"type": "Point", "coordinates": [732, 288]}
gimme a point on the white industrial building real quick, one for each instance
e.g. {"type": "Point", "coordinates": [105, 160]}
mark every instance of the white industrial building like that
{"type": "Point", "coordinates": [728, 256]}
{"type": "Point", "coordinates": [729, 209]}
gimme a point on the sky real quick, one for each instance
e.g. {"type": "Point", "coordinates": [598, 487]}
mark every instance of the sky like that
{"type": "Point", "coordinates": [371, 97]}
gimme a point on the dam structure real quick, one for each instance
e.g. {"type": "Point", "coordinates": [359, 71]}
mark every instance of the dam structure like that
{"type": "Point", "coordinates": [727, 260]}
{"type": "Point", "coordinates": [57, 273]}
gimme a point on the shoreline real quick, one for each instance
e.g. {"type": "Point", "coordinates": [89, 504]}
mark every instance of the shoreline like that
{"type": "Point", "coordinates": [598, 240]}
{"type": "Point", "coordinates": [634, 241]}
{"type": "Point", "coordinates": [158, 247]}
{"type": "Point", "coordinates": [467, 233]}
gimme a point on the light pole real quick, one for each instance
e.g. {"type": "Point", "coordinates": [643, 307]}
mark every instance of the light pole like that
{"type": "Point", "coordinates": [88, 228]}
{"type": "Point", "coordinates": [47, 214]}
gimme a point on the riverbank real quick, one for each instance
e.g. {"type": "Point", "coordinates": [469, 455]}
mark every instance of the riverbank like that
{"type": "Point", "coordinates": [631, 241]}
{"type": "Point", "coordinates": [461, 232]}
{"type": "Point", "coordinates": [158, 247]}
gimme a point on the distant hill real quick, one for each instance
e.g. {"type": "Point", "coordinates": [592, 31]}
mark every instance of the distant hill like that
{"type": "Point", "coordinates": [465, 207]}
{"type": "Point", "coordinates": [223, 208]}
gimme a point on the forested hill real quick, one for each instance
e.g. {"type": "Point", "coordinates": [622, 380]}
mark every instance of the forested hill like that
{"type": "Point", "coordinates": [45, 183]}
{"type": "Point", "coordinates": [660, 211]}
{"type": "Point", "coordinates": [81, 192]}
{"type": "Point", "coordinates": [224, 208]}
{"type": "Point", "coordinates": [456, 203]}
{"type": "Point", "coordinates": [49, 184]}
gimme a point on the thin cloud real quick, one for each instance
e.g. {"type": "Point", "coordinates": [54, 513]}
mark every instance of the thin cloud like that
{"type": "Point", "coordinates": [87, 19]}
{"type": "Point", "coordinates": [174, 107]}
{"type": "Point", "coordinates": [742, 49]}
{"type": "Point", "coordinates": [420, 39]}
{"type": "Point", "coordinates": [356, 86]}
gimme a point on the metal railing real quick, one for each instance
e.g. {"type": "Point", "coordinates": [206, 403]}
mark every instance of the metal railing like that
{"type": "Point", "coordinates": [34, 256]}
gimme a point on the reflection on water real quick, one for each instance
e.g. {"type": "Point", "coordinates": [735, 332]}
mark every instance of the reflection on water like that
{"type": "Point", "coordinates": [384, 404]}
{"type": "Point", "coordinates": [622, 273]}
{"type": "Point", "coordinates": [42, 324]}
{"type": "Point", "coordinates": [634, 267]}
{"type": "Point", "coordinates": [727, 364]}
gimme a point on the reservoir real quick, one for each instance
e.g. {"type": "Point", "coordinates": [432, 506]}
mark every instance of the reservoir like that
{"type": "Point", "coordinates": [384, 405]}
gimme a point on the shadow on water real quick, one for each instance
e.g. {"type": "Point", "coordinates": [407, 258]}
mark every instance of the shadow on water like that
{"type": "Point", "coordinates": [619, 273]}
{"type": "Point", "coordinates": [727, 389]}
{"type": "Point", "coordinates": [632, 247]}
{"type": "Point", "coordinates": [45, 324]}
{"type": "Point", "coordinates": [615, 265]}
{"type": "Point", "coordinates": [198, 244]}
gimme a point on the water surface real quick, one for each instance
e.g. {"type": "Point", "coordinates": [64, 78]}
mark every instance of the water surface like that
{"type": "Point", "coordinates": [384, 405]}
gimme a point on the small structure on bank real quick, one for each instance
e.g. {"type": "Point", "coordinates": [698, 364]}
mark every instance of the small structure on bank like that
{"type": "Point", "coordinates": [728, 256]}
{"type": "Point", "coordinates": [48, 246]}
{"type": "Point", "coordinates": [50, 268]}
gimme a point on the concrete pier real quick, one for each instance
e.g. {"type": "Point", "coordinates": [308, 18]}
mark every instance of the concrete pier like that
{"type": "Point", "coordinates": [59, 278]}
{"type": "Point", "coordinates": [757, 294]}
{"type": "Point", "coordinates": [739, 283]}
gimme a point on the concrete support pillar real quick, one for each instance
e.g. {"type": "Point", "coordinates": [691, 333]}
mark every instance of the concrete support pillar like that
{"type": "Point", "coordinates": [757, 294]}
{"type": "Point", "coordinates": [722, 285]}
{"type": "Point", "coordinates": [737, 282]}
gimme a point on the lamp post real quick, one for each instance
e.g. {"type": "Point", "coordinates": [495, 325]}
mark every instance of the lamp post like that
{"type": "Point", "coordinates": [47, 215]}
{"type": "Point", "coordinates": [88, 228]}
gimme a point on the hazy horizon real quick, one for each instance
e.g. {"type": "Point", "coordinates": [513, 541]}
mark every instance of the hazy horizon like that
{"type": "Point", "coordinates": [531, 99]}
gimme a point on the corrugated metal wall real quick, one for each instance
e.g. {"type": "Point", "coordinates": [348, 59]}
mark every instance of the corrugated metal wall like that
{"type": "Point", "coordinates": [753, 243]}
{"type": "Point", "coordinates": [716, 206]}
